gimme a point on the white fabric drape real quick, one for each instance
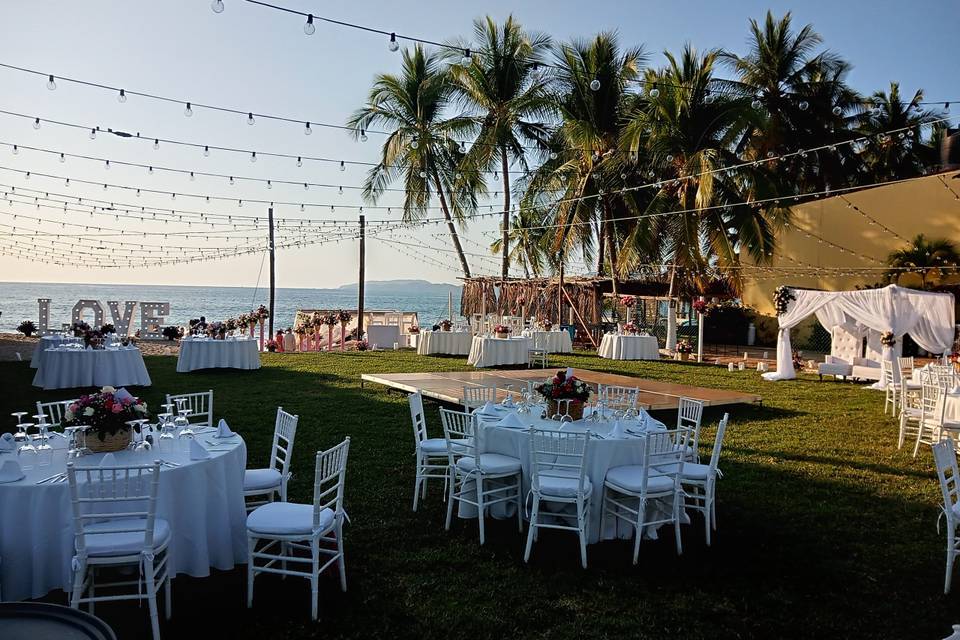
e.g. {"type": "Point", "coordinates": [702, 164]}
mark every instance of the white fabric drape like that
{"type": "Point", "coordinates": [928, 318]}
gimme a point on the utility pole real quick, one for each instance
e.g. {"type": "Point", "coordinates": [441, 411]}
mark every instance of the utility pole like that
{"type": "Point", "coordinates": [273, 274]}
{"type": "Point", "coordinates": [360, 282]}
{"type": "Point", "coordinates": [560, 292]}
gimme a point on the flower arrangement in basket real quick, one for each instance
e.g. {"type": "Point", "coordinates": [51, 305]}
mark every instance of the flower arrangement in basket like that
{"type": "Point", "coordinates": [782, 297]}
{"type": "Point", "coordinates": [561, 388]}
{"type": "Point", "coordinates": [445, 325]}
{"type": "Point", "coordinates": [684, 348]}
{"type": "Point", "coordinates": [630, 328]}
{"type": "Point", "coordinates": [502, 331]}
{"type": "Point", "coordinates": [106, 414]}
{"type": "Point", "coordinates": [700, 306]}
{"type": "Point", "coordinates": [887, 339]}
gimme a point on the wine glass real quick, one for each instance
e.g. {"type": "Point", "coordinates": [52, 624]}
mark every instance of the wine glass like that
{"type": "Point", "coordinates": [27, 452]}
{"type": "Point", "coordinates": [165, 441]}
{"type": "Point", "coordinates": [20, 434]}
{"type": "Point", "coordinates": [508, 401]}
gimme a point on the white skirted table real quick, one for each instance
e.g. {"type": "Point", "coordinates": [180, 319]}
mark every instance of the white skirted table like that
{"type": "Point", "coordinates": [951, 405]}
{"type": "Point", "coordinates": [65, 368]}
{"type": "Point", "coordinates": [615, 346]}
{"type": "Point", "coordinates": [201, 500]}
{"type": "Point", "coordinates": [204, 353]}
{"type": "Point", "coordinates": [606, 452]}
{"type": "Point", "coordinates": [553, 341]}
{"type": "Point", "coordinates": [486, 351]}
{"type": "Point", "coordinates": [50, 342]}
{"type": "Point", "coordinates": [452, 343]}
{"type": "Point", "coordinates": [383, 336]}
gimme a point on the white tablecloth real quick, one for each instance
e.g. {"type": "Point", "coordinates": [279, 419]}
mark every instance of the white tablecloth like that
{"type": "Point", "coordinates": [603, 455]}
{"type": "Point", "coordinates": [490, 352]}
{"type": "Point", "coordinates": [625, 347]}
{"type": "Point", "coordinates": [951, 410]}
{"type": "Point", "coordinates": [218, 354]}
{"type": "Point", "coordinates": [202, 501]}
{"type": "Point", "coordinates": [453, 343]}
{"type": "Point", "coordinates": [50, 342]}
{"type": "Point", "coordinates": [68, 368]}
{"type": "Point", "coordinates": [552, 341]}
{"type": "Point", "coordinates": [383, 335]}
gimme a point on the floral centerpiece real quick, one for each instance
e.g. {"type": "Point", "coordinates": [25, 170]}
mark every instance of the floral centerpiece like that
{"type": "Point", "coordinates": [561, 388]}
{"type": "Point", "coordinates": [782, 297]}
{"type": "Point", "coordinates": [684, 348]}
{"type": "Point", "coordinates": [445, 325]}
{"type": "Point", "coordinates": [797, 357]}
{"type": "Point", "coordinates": [171, 332]}
{"type": "Point", "coordinates": [546, 323]}
{"type": "Point", "coordinates": [630, 328]}
{"type": "Point", "coordinates": [79, 328]}
{"type": "Point", "coordinates": [414, 329]}
{"type": "Point", "coordinates": [344, 316]}
{"type": "Point", "coordinates": [628, 301]}
{"type": "Point", "coordinates": [217, 330]}
{"type": "Point", "coordinates": [330, 319]}
{"type": "Point", "coordinates": [271, 345]}
{"type": "Point", "coordinates": [108, 328]}
{"type": "Point", "coordinates": [887, 339]}
{"type": "Point", "coordinates": [106, 414]}
{"type": "Point", "coordinates": [502, 331]}
{"type": "Point", "coordinates": [93, 338]}
{"type": "Point", "coordinates": [261, 314]}
{"type": "Point", "coordinates": [230, 323]}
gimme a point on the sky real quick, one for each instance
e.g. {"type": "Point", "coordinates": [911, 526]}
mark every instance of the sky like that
{"type": "Point", "coordinates": [256, 59]}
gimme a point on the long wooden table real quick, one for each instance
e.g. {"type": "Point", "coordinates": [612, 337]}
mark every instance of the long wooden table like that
{"type": "Point", "coordinates": [448, 387]}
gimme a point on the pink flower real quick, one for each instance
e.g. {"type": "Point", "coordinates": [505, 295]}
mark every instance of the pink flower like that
{"type": "Point", "coordinates": [116, 408]}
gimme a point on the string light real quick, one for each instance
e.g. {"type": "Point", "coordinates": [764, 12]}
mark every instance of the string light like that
{"type": "Point", "coordinates": [467, 58]}
{"type": "Point", "coordinates": [309, 27]}
{"type": "Point", "coordinates": [250, 120]}
{"type": "Point", "coordinates": [188, 111]}
{"type": "Point", "coordinates": [306, 129]}
{"type": "Point", "coordinates": [217, 6]}
{"type": "Point", "coordinates": [36, 123]}
{"type": "Point", "coordinates": [594, 85]}
{"type": "Point", "coordinates": [93, 134]}
{"type": "Point", "coordinates": [393, 44]}
{"type": "Point", "coordinates": [51, 83]}
{"type": "Point", "coordinates": [206, 152]}
{"type": "Point", "coordinates": [122, 96]}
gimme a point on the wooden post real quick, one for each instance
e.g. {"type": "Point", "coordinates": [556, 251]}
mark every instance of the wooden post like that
{"type": "Point", "coordinates": [273, 274]}
{"type": "Point", "coordinates": [560, 292]}
{"type": "Point", "coordinates": [450, 306]}
{"type": "Point", "coordinates": [360, 282]}
{"type": "Point", "coordinates": [700, 334]}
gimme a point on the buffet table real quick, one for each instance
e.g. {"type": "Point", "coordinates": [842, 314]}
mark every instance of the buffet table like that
{"type": "Point", "coordinates": [383, 336]}
{"type": "Point", "coordinates": [66, 368]}
{"type": "Point", "coordinates": [204, 353]}
{"type": "Point", "coordinates": [617, 346]}
{"type": "Point", "coordinates": [50, 342]}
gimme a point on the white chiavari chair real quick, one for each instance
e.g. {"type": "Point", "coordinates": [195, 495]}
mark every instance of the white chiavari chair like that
{"type": "Point", "coordinates": [930, 423]}
{"type": "Point", "coordinates": [200, 406]}
{"type": "Point", "coordinates": [476, 396]}
{"type": "Point", "coordinates": [476, 478]}
{"type": "Point", "coordinates": [891, 390]}
{"type": "Point", "coordinates": [690, 416]}
{"type": "Point", "coordinates": [699, 482]}
{"type": "Point", "coordinates": [945, 459]}
{"type": "Point", "coordinates": [53, 410]}
{"type": "Point", "coordinates": [558, 475]}
{"type": "Point", "coordinates": [537, 357]}
{"type": "Point", "coordinates": [908, 388]}
{"type": "Point", "coordinates": [266, 483]}
{"type": "Point", "coordinates": [619, 398]}
{"type": "Point", "coordinates": [628, 490]}
{"type": "Point", "coordinates": [115, 525]}
{"type": "Point", "coordinates": [316, 528]}
{"type": "Point", "coordinates": [431, 453]}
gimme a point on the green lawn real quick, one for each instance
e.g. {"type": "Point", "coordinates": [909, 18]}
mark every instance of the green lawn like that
{"type": "Point", "coordinates": [825, 528]}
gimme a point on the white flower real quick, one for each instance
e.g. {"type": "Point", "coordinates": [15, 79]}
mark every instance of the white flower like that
{"type": "Point", "coordinates": [68, 415]}
{"type": "Point", "coordinates": [142, 408]}
{"type": "Point", "coordinates": [88, 411]}
{"type": "Point", "coordinates": [108, 389]}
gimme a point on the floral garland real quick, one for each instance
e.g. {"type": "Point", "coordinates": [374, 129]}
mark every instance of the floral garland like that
{"type": "Point", "coordinates": [344, 316]}
{"type": "Point", "coordinates": [888, 339]}
{"type": "Point", "coordinates": [782, 297]}
{"type": "Point", "coordinates": [330, 320]}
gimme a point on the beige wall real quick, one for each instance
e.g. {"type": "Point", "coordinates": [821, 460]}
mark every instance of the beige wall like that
{"type": "Point", "coordinates": [922, 205]}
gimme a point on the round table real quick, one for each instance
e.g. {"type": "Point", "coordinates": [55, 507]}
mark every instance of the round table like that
{"type": "Point", "coordinates": [618, 346]}
{"type": "Point", "coordinates": [64, 368]}
{"type": "Point", "coordinates": [50, 342]}
{"type": "Point", "coordinates": [605, 452]}
{"type": "Point", "coordinates": [486, 351]}
{"type": "Point", "coordinates": [553, 341]}
{"type": "Point", "coordinates": [200, 353]}
{"type": "Point", "coordinates": [452, 343]}
{"type": "Point", "coordinates": [951, 408]}
{"type": "Point", "coordinates": [201, 500]}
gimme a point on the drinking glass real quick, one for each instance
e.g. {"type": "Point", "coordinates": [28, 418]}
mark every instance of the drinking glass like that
{"type": "Point", "coordinates": [566, 417]}
{"type": "Point", "coordinates": [508, 401]}
{"type": "Point", "coordinates": [20, 434]}
{"type": "Point", "coordinates": [166, 439]}
{"type": "Point", "coordinates": [27, 453]}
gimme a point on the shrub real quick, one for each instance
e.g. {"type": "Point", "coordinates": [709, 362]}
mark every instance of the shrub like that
{"type": "Point", "coordinates": [27, 328]}
{"type": "Point", "coordinates": [172, 333]}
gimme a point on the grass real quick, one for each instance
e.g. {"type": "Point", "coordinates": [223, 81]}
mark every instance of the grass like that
{"type": "Point", "coordinates": [825, 528]}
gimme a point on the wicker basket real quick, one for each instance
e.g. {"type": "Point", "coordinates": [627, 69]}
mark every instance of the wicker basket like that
{"type": "Point", "coordinates": [116, 442]}
{"type": "Point", "coordinates": [503, 335]}
{"type": "Point", "coordinates": [576, 409]}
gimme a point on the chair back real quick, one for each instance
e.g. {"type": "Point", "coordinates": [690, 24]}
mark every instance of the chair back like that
{"type": "Point", "coordinates": [906, 365]}
{"type": "Point", "coordinates": [53, 410]}
{"type": "Point", "coordinates": [460, 432]}
{"type": "Point", "coordinates": [477, 396]}
{"type": "Point", "coordinates": [945, 459]}
{"type": "Point", "coordinates": [284, 433]}
{"type": "Point", "coordinates": [558, 454]}
{"type": "Point", "coordinates": [618, 397]}
{"type": "Point", "coordinates": [125, 495]}
{"type": "Point", "coordinates": [418, 418]}
{"type": "Point", "coordinates": [200, 405]}
{"type": "Point", "coordinates": [932, 404]}
{"type": "Point", "coordinates": [889, 380]}
{"type": "Point", "coordinates": [718, 444]}
{"type": "Point", "coordinates": [690, 416]}
{"type": "Point", "coordinates": [660, 452]}
{"type": "Point", "coordinates": [329, 477]}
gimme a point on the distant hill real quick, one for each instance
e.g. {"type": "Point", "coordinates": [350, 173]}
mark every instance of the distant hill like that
{"type": "Point", "coordinates": [404, 287]}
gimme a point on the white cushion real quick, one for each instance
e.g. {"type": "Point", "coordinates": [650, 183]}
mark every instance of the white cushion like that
{"type": "Point", "coordinates": [834, 369]}
{"type": "Point", "coordinates": [438, 446]}
{"type": "Point", "coordinates": [287, 518]}
{"type": "Point", "coordinates": [694, 471]}
{"type": "Point", "coordinates": [492, 463]}
{"type": "Point", "coordinates": [123, 544]}
{"type": "Point", "coordinates": [261, 479]}
{"type": "Point", "coordinates": [563, 483]}
{"type": "Point", "coordinates": [630, 477]}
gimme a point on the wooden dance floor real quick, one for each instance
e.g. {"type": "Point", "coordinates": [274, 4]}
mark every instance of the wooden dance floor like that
{"type": "Point", "coordinates": [448, 387]}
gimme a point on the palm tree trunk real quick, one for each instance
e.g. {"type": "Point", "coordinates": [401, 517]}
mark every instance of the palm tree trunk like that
{"type": "Point", "coordinates": [601, 239]}
{"type": "Point", "coordinates": [505, 250]}
{"type": "Point", "coordinates": [451, 226]}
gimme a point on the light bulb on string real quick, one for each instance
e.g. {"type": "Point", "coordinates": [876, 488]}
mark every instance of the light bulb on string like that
{"type": "Point", "coordinates": [206, 152]}
{"type": "Point", "coordinates": [393, 45]}
{"type": "Point", "coordinates": [306, 129]}
{"type": "Point", "coordinates": [341, 190]}
{"type": "Point", "coordinates": [231, 181]}
{"type": "Point", "coordinates": [156, 144]}
{"type": "Point", "coordinates": [122, 96]}
{"type": "Point", "coordinates": [51, 83]}
{"type": "Point", "coordinates": [36, 123]}
{"type": "Point", "coordinates": [93, 134]}
{"type": "Point", "coordinates": [708, 97]}
{"type": "Point", "coordinates": [756, 104]}
{"type": "Point", "coordinates": [188, 110]}
{"type": "Point", "coordinates": [15, 150]}
{"type": "Point", "coordinates": [654, 92]}
{"type": "Point", "coordinates": [594, 85]}
{"type": "Point", "coordinates": [192, 177]}
{"type": "Point", "coordinates": [106, 165]}
{"type": "Point", "coordinates": [250, 120]}
{"type": "Point", "coordinates": [467, 58]}
{"type": "Point", "coordinates": [299, 161]}
{"type": "Point", "coordinates": [269, 185]}
{"type": "Point", "coordinates": [414, 144]}
{"type": "Point", "coordinates": [463, 147]}
{"type": "Point", "coordinates": [217, 6]}
{"type": "Point", "coordinates": [343, 166]}
{"type": "Point", "coordinates": [363, 135]}
{"type": "Point", "coordinates": [253, 156]}
{"type": "Point", "coordinates": [309, 28]}
{"type": "Point", "coordinates": [150, 170]}
{"type": "Point", "coordinates": [803, 105]}
{"type": "Point", "coordinates": [837, 110]}
{"type": "Point", "coordinates": [306, 187]}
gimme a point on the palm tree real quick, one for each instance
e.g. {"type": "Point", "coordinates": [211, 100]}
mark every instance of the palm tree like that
{"type": "Point", "coordinates": [936, 258]}
{"type": "Point", "coordinates": [901, 154]}
{"type": "Point", "coordinates": [527, 238]}
{"type": "Point", "coordinates": [502, 86]}
{"type": "Point", "coordinates": [421, 149]}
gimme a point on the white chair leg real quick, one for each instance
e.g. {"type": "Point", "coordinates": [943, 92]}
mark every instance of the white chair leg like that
{"type": "Point", "coordinates": [582, 532]}
{"type": "Point", "coordinates": [341, 561]}
{"type": "Point", "coordinates": [916, 445]}
{"type": "Point", "coordinates": [315, 578]}
{"type": "Point", "coordinates": [480, 507]}
{"type": "Point", "coordinates": [638, 535]}
{"type": "Point", "coordinates": [707, 517]}
{"type": "Point", "coordinates": [78, 576]}
{"type": "Point", "coordinates": [903, 428]}
{"type": "Point", "coordinates": [416, 486]}
{"type": "Point", "coordinates": [251, 546]}
{"type": "Point", "coordinates": [167, 600]}
{"type": "Point", "coordinates": [519, 503]}
{"type": "Point", "coordinates": [152, 598]}
{"type": "Point", "coordinates": [676, 524]}
{"type": "Point", "coordinates": [453, 487]}
{"type": "Point", "coordinates": [534, 512]}
{"type": "Point", "coordinates": [951, 557]}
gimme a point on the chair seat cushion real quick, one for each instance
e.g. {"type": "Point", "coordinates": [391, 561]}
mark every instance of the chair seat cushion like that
{"type": "Point", "coordinates": [287, 518]}
{"type": "Point", "coordinates": [261, 479]}
{"type": "Point", "coordinates": [694, 471]}
{"type": "Point", "coordinates": [438, 446]}
{"type": "Point", "coordinates": [491, 463]}
{"type": "Point", "coordinates": [834, 369]}
{"type": "Point", "coordinates": [630, 478]}
{"type": "Point", "coordinates": [123, 544]}
{"type": "Point", "coordinates": [563, 483]}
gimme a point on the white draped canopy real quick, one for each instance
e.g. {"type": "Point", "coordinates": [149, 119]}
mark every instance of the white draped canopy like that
{"type": "Point", "coordinates": [927, 317]}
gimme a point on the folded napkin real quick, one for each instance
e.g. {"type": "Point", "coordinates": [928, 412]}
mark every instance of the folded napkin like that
{"type": "Point", "coordinates": [10, 471]}
{"type": "Point", "coordinates": [197, 452]}
{"type": "Point", "coordinates": [511, 420]}
{"type": "Point", "coordinates": [7, 443]}
{"type": "Point", "coordinates": [489, 408]}
{"type": "Point", "coordinates": [122, 394]}
{"type": "Point", "coordinates": [618, 430]}
{"type": "Point", "coordinates": [108, 460]}
{"type": "Point", "coordinates": [569, 372]}
{"type": "Point", "coordinates": [57, 440]}
{"type": "Point", "coordinates": [223, 429]}
{"type": "Point", "coordinates": [89, 348]}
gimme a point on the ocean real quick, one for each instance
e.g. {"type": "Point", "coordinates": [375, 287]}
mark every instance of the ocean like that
{"type": "Point", "coordinates": [18, 302]}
